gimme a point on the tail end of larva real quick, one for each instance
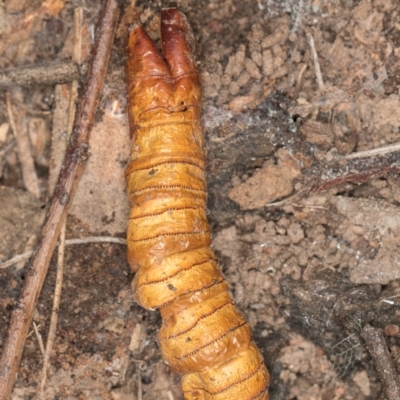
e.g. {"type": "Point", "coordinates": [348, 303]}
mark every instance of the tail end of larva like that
{"type": "Point", "coordinates": [177, 42]}
{"type": "Point", "coordinates": [144, 59]}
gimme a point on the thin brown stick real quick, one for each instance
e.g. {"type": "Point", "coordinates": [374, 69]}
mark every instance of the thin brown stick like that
{"type": "Point", "coordinates": [39, 337]}
{"type": "Point", "coordinates": [379, 352]}
{"type": "Point", "coordinates": [43, 74]}
{"type": "Point", "coordinates": [77, 56]}
{"type": "Point", "coordinates": [300, 78]}
{"type": "Point", "coordinates": [140, 390]}
{"type": "Point", "coordinates": [54, 312]}
{"type": "Point", "coordinates": [317, 67]}
{"type": "Point", "coordinates": [24, 151]}
{"type": "Point", "coordinates": [74, 162]}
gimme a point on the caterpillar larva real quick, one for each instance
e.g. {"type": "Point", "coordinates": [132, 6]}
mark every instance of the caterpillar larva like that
{"type": "Point", "coordinates": [203, 336]}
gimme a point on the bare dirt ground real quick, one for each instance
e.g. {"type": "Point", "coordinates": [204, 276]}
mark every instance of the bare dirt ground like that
{"type": "Point", "coordinates": [305, 224]}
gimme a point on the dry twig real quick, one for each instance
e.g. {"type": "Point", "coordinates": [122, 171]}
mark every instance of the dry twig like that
{"type": "Point", "coordinates": [54, 312]}
{"type": "Point", "coordinates": [358, 167]}
{"type": "Point", "coordinates": [77, 56]}
{"type": "Point", "coordinates": [39, 337]}
{"type": "Point", "coordinates": [379, 151]}
{"type": "Point", "coordinates": [379, 352]}
{"type": "Point", "coordinates": [75, 160]}
{"type": "Point", "coordinates": [24, 151]}
{"type": "Point", "coordinates": [317, 67]}
{"type": "Point", "coordinates": [42, 74]}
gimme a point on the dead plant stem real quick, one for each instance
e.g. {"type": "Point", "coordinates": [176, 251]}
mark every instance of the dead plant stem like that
{"type": "Point", "coordinates": [54, 312]}
{"type": "Point", "coordinates": [24, 150]}
{"type": "Point", "coordinates": [74, 162]}
{"type": "Point", "coordinates": [77, 56]}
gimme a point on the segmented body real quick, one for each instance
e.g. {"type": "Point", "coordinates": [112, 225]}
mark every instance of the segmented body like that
{"type": "Point", "coordinates": [203, 336]}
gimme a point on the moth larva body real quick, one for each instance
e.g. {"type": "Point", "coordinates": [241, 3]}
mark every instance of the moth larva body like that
{"type": "Point", "coordinates": [203, 336]}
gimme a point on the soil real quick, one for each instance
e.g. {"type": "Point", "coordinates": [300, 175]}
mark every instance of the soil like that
{"type": "Point", "coordinates": [306, 232]}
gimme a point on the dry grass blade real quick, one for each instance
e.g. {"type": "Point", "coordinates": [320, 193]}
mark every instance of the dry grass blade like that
{"type": "Point", "coordinates": [54, 313]}
{"type": "Point", "coordinates": [24, 151]}
{"type": "Point", "coordinates": [78, 18]}
{"type": "Point", "coordinates": [317, 67]}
